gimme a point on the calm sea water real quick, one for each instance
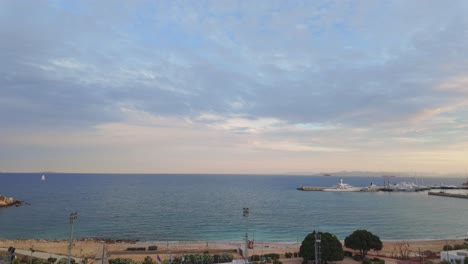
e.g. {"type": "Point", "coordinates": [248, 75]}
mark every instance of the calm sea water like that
{"type": "Point", "coordinates": [209, 207]}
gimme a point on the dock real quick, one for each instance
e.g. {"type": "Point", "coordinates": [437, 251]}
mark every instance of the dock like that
{"type": "Point", "coordinates": [454, 195]}
{"type": "Point", "coordinates": [311, 188]}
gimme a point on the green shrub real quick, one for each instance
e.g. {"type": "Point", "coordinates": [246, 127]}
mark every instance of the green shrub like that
{"type": "Point", "coordinates": [465, 260]}
{"type": "Point", "coordinates": [222, 258]}
{"type": "Point", "coordinates": [366, 261]}
{"type": "Point", "coordinates": [148, 260]}
{"type": "Point", "coordinates": [255, 258]}
{"type": "Point", "coordinates": [458, 247]}
{"type": "Point", "coordinates": [39, 261]}
{"type": "Point", "coordinates": [288, 255]}
{"type": "Point", "coordinates": [25, 259]}
{"type": "Point", "coordinates": [348, 253]}
{"type": "Point", "coordinates": [296, 254]}
{"type": "Point", "coordinates": [447, 247]}
{"type": "Point", "coordinates": [272, 256]}
{"type": "Point", "coordinates": [121, 261]}
{"type": "Point", "coordinates": [64, 261]}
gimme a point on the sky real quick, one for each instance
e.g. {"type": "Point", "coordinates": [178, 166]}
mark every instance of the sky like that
{"type": "Point", "coordinates": [223, 86]}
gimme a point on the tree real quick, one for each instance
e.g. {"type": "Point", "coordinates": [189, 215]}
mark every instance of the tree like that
{"type": "Point", "coordinates": [148, 260]}
{"type": "Point", "coordinates": [363, 241]}
{"type": "Point", "coordinates": [331, 248]}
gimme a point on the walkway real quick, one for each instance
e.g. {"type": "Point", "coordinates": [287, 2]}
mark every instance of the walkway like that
{"type": "Point", "coordinates": [42, 255]}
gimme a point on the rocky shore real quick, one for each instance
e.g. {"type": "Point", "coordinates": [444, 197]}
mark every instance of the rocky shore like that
{"type": "Point", "coordinates": [9, 201]}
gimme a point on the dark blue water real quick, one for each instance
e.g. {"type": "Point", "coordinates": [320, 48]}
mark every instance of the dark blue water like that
{"type": "Point", "coordinates": [209, 207]}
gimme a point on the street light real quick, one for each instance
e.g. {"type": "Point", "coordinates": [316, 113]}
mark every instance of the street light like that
{"type": "Point", "coordinates": [73, 217]}
{"type": "Point", "coordinates": [32, 251]}
{"type": "Point", "coordinates": [318, 240]}
{"type": "Point", "coordinates": [11, 254]}
{"type": "Point", "coordinates": [245, 213]}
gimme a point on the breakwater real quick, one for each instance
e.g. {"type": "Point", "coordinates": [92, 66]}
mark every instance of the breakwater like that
{"type": "Point", "coordinates": [453, 195]}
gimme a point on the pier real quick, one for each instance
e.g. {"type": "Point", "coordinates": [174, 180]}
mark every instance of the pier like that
{"type": "Point", "coordinates": [310, 188]}
{"type": "Point", "coordinates": [454, 195]}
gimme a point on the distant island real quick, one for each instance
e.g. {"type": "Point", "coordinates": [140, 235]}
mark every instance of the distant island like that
{"type": "Point", "coordinates": [9, 201]}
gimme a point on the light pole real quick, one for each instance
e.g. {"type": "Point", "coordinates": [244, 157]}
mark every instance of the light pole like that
{"type": "Point", "coordinates": [318, 239]}
{"type": "Point", "coordinates": [11, 254]}
{"type": "Point", "coordinates": [447, 249]}
{"type": "Point", "coordinates": [32, 251]}
{"type": "Point", "coordinates": [246, 215]}
{"type": "Point", "coordinates": [73, 217]}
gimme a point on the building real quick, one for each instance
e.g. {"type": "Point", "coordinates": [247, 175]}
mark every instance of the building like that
{"type": "Point", "coordinates": [453, 255]}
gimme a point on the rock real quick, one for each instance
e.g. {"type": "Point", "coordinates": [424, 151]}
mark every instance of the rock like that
{"type": "Point", "coordinates": [9, 201]}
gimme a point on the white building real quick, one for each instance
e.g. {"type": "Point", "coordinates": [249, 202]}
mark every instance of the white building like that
{"type": "Point", "coordinates": [453, 255]}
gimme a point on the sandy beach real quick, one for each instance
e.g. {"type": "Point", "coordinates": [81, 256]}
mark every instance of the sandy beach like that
{"type": "Point", "coordinates": [87, 248]}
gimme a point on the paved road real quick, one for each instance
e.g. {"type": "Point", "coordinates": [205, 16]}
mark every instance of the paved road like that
{"type": "Point", "coordinates": [41, 255]}
{"type": "Point", "coordinates": [101, 256]}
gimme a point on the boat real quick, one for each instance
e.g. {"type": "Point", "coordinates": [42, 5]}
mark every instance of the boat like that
{"type": "Point", "coordinates": [43, 178]}
{"type": "Point", "coordinates": [465, 184]}
{"type": "Point", "coordinates": [342, 187]}
{"type": "Point", "coordinates": [447, 186]}
{"type": "Point", "coordinates": [371, 188]}
{"type": "Point", "coordinates": [405, 187]}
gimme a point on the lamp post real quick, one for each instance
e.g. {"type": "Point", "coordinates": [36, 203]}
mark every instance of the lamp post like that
{"type": "Point", "coordinates": [447, 248]}
{"type": "Point", "coordinates": [245, 213]}
{"type": "Point", "coordinates": [73, 217]}
{"type": "Point", "coordinates": [318, 239]}
{"type": "Point", "coordinates": [11, 254]}
{"type": "Point", "coordinates": [32, 251]}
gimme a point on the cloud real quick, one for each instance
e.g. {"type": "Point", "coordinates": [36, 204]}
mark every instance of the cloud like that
{"type": "Point", "coordinates": [302, 77]}
{"type": "Point", "coordinates": [295, 147]}
{"type": "Point", "coordinates": [458, 84]}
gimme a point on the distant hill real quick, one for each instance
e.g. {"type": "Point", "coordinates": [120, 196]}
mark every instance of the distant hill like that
{"type": "Point", "coordinates": [376, 174]}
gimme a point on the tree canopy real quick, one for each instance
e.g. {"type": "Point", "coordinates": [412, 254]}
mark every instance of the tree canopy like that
{"type": "Point", "coordinates": [363, 241]}
{"type": "Point", "coordinates": [331, 248]}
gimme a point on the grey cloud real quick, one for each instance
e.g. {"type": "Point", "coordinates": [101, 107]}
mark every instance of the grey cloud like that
{"type": "Point", "coordinates": [376, 69]}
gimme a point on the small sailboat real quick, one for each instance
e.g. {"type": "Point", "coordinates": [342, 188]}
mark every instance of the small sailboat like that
{"type": "Point", "coordinates": [43, 178]}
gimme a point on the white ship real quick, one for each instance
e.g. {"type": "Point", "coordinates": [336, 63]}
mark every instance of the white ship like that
{"type": "Point", "coordinates": [342, 187]}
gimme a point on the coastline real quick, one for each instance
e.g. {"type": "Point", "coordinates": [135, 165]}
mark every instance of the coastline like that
{"type": "Point", "coordinates": [9, 201]}
{"type": "Point", "coordinates": [87, 248]}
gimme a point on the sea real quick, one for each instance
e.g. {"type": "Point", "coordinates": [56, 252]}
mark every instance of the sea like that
{"type": "Point", "coordinates": [171, 207]}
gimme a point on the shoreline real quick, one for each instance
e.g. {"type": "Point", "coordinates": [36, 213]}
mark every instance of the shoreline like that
{"type": "Point", "coordinates": [168, 245]}
{"type": "Point", "coordinates": [137, 241]}
{"type": "Point", "coordinates": [285, 242]}
{"type": "Point", "coordinates": [90, 248]}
